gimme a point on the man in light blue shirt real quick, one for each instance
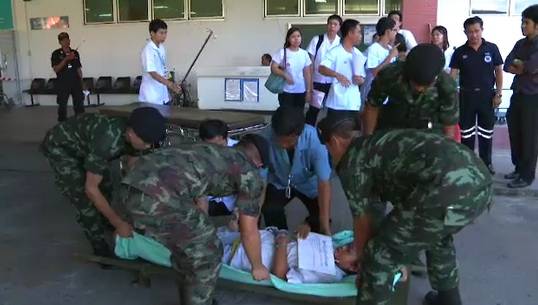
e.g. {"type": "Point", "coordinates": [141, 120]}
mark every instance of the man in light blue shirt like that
{"type": "Point", "coordinates": [299, 167]}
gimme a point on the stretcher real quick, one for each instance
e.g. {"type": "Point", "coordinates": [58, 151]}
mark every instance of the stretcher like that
{"type": "Point", "coordinates": [131, 249]}
{"type": "Point", "coordinates": [183, 123]}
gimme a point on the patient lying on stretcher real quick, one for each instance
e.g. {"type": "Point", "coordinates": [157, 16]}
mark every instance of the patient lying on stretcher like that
{"type": "Point", "coordinates": [280, 255]}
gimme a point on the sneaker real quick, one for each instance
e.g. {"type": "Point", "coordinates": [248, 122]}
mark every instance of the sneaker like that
{"type": "Point", "coordinates": [491, 170]}
{"type": "Point", "coordinates": [518, 183]}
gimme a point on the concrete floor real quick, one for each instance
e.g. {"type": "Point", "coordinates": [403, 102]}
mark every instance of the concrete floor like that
{"type": "Point", "coordinates": [39, 237]}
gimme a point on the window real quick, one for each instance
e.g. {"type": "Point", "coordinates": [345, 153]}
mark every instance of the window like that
{"type": "Point", "coordinates": [169, 9]}
{"type": "Point", "coordinates": [281, 8]}
{"type": "Point", "coordinates": [489, 7]}
{"type": "Point", "coordinates": [361, 7]}
{"type": "Point", "coordinates": [98, 11]}
{"type": "Point", "coordinates": [520, 5]}
{"type": "Point", "coordinates": [393, 5]}
{"type": "Point", "coordinates": [206, 9]}
{"type": "Point", "coordinates": [132, 10]}
{"type": "Point", "coordinates": [320, 7]}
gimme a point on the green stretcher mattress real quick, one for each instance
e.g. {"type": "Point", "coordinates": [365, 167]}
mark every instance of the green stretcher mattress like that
{"type": "Point", "coordinates": [140, 246]}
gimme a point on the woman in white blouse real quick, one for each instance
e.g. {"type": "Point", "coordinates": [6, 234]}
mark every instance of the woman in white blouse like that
{"type": "Point", "coordinates": [440, 38]}
{"type": "Point", "coordinates": [294, 65]}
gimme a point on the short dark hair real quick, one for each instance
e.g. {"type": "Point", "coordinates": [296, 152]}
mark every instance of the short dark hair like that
{"type": "Point", "coordinates": [531, 13]}
{"type": "Point", "coordinates": [341, 127]}
{"type": "Point", "coordinates": [210, 129]}
{"type": "Point", "coordinates": [267, 56]}
{"type": "Point", "coordinates": [400, 41]}
{"type": "Point", "coordinates": [62, 36]}
{"type": "Point", "coordinates": [473, 20]}
{"type": "Point", "coordinates": [348, 26]}
{"type": "Point", "coordinates": [288, 121]}
{"type": "Point", "coordinates": [335, 17]}
{"type": "Point", "coordinates": [384, 24]}
{"type": "Point", "coordinates": [157, 24]}
{"type": "Point", "coordinates": [260, 143]}
{"type": "Point", "coordinates": [396, 12]}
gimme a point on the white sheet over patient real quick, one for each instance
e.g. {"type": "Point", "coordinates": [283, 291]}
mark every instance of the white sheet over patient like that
{"type": "Point", "coordinates": [295, 274]}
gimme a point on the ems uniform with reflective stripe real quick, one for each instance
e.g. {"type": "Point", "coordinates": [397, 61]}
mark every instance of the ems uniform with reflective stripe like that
{"type": "Point", "coordinates": [436, 186]}
{"type": "Point", "coordinates": [477, 82]}
{"type": "Point", "coordinates": [433, 109]}
{"type": "Point", "coordinates": [158, 195]}
{"type": "Point", "coordinates": [86, 143]}
{"type": "Point", "coordinates": [68, 82]}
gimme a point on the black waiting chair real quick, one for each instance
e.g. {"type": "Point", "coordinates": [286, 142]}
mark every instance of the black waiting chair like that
{"type": "Point", "coordinates": [36, 87]}
{"type": "Point", "coordinates": [88, 83]}
{"type": "Point", "coordinates": [136, 84]}
{"type": "Point", "coordinates": [103, 85]}
{"type": "Point", "coordinates": [122, 85]}
{"type": "Point", "coordinates": [50, 87]}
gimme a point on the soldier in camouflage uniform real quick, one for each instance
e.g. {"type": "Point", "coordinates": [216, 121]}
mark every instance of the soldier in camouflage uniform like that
{"type": "Point", "coordinates": [420, 95]}
{"type": "Point", "coordinates": [437, 187]}
{"type": "Point", "coordinates": [161, 198]}
{"type": "Point", "coordinates": [79, 151]}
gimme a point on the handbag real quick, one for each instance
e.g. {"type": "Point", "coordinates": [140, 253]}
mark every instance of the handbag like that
{"type": "Point", "coordinates": [275, 83]}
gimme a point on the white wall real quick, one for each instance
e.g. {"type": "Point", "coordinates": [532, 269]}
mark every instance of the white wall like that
{"type": "Point", "coordinates": [113, 49]}
{"type": "Point", "coordinates": [504, 31]}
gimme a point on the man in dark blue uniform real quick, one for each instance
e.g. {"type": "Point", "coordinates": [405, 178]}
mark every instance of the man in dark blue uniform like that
{"type": "Point", "coordinates": [522, 115]}
{"type": "Point", "coordinates": [479, 64]}
{"type": "Point", "coordinates": [66, 64]}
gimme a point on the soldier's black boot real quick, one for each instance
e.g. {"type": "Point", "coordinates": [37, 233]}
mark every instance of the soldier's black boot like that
{"type": "Point", "coordinates": [185, 294]}
{"type": "Point", "coordinates": [447, 297]}
{"type": "Point", "coordinates": [103, 250]}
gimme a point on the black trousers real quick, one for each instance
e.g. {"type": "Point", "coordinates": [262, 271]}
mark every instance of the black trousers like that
{"type": "Point", "coordinates": [312, 113]}
{"type": "Point", "coordinates": [64, 90]}
{"type": "Point", "coordinates": [522, 119]}
{"type": "Point", "coordinates": [292, 99]}
{"type": "Point", "coordinates": [273, 211]}
{"type": "Point", "coordinates": [477, 117]}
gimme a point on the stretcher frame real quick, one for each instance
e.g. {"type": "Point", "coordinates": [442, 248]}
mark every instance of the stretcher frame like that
{"type": "Point", "coordinates": [143, 271]}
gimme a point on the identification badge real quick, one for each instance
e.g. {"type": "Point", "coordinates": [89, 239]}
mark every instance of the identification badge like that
{"type": "Point", "coordinates": [487, 58]}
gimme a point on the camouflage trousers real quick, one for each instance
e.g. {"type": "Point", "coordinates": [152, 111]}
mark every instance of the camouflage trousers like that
{"type": "Point", "coordinates": [405, 232]}
{"type": "Point", "coordinates": [185, 231]}
{"type": "Point", "coordinates": [70, 178]}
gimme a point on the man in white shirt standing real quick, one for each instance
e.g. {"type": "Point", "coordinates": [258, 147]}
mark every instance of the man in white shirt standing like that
{"type": "Point", "coordinates": [345, 64]}
{"type": "Point", "coordinates": [380, 53]}
{"type": "Point", "coordinates": [155, 82]}
{"type": "Point", "coordinates": [410, 40]}
{"type": "Point", "coordinates": [318, 47]}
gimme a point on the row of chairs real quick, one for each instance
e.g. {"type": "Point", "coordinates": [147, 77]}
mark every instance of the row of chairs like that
{"type": "Point", "coordinates": [103, 85]}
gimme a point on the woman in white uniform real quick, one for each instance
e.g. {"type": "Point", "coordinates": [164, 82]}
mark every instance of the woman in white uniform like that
{"type": "Point", "coordinates": [440, 38]}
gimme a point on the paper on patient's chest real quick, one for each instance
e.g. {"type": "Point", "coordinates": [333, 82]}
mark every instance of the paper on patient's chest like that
{"type": "Point", "coordinates": [316, 254]}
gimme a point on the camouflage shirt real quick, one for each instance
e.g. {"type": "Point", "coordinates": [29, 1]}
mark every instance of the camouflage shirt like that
{"type": "Point", "coordinates": [403, 165]}
{"type": "Point", "coordinates": [438, 105]}
{"type": "Point", "coordinates": [198, 170]}
{"type": "Point", "coordinates": [94, 138]}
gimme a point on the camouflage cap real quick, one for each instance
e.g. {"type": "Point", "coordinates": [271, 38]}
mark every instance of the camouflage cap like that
{"type": "Point", "coordinates": [149, 124]}
{"type": "Point", "coordinates": [423, 63]}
